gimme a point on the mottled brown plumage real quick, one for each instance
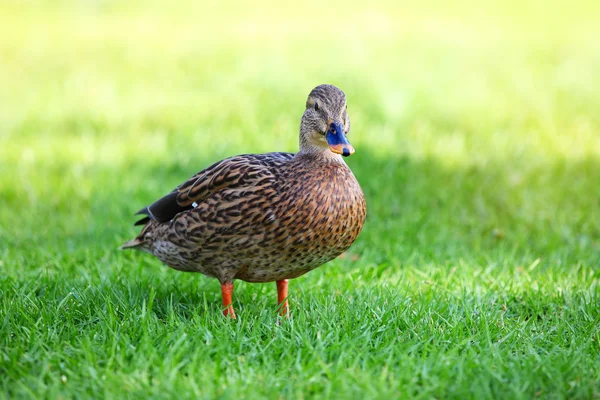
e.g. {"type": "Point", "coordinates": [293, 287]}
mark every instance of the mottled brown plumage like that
{"type": "Point", "coordinates": [264, 217]}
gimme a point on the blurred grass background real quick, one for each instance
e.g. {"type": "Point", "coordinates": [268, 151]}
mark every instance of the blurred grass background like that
{"type": "Point", "coordinates": [477, 130]}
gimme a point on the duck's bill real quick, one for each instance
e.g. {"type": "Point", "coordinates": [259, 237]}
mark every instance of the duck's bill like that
{"type": "Point", "coordinates": [337, 140]}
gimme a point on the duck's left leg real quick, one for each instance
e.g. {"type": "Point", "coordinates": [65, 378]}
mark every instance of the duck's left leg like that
{"type": "Point", "coordinates": [227, 293]}
{"type": "Point", "coordinates": [282, 294]}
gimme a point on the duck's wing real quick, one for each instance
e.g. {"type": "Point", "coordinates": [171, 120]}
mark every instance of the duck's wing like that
{"type": "Point", "coordinates": [247, 170]}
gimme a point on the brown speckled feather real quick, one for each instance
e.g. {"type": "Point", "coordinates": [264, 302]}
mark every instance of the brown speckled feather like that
{"type": "Point", "coordinates": [260, 218]}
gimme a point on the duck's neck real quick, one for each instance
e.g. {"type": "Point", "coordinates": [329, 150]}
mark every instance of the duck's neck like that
{"type": "Point", "coordinates": [319, 154]}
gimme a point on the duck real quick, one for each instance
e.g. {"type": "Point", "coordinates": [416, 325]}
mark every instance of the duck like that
{"type": "Point", "coordinates": [264, 217]}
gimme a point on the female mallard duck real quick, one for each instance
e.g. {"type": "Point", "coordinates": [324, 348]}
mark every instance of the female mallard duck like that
{"type": "Point", "coordinates": [264, 217]}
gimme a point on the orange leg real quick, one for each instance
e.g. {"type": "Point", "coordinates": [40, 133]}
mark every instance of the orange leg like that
{"type": "Point", "coordinates": [227, 293]}
{"type": "Point", "coordinates": [282, 294]}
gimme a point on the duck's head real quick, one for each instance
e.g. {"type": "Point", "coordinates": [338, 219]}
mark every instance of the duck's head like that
{"type": "Point", "coordinates": [325, 123]}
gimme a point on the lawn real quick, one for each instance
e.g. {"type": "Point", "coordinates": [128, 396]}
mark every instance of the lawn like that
{"type": "Point", "coordinates": [477, 136]}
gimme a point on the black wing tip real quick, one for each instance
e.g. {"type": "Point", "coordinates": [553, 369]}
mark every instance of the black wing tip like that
{"type": "Point", "coordinates": [142, 221]}
{"type": "Point", "coordinates": [144, 211]}
{"type": "Point", "coordinates": [145, 220]}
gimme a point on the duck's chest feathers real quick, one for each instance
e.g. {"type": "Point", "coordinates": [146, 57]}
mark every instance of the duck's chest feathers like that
{"type": "Point", "coordinates": [325, 206]}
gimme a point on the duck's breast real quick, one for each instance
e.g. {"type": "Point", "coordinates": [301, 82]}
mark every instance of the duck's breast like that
{"type": "Point", "coordinates": [321, 214]}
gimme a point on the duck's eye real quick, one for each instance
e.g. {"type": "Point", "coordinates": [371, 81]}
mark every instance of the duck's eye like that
{"type": "Point", "coordinates": [316, 106]}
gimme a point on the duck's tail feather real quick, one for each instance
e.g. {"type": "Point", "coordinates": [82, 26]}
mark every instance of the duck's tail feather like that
{"type": "Point", "coordinates": [132, 244]}
{"type": "Point", "coordinates": [142, 241]}
{"type": "Point", "coordinates": [136, 244]}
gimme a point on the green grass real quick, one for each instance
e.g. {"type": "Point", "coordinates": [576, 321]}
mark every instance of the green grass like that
{"type": "Point", "coordinates": [478, 148]}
